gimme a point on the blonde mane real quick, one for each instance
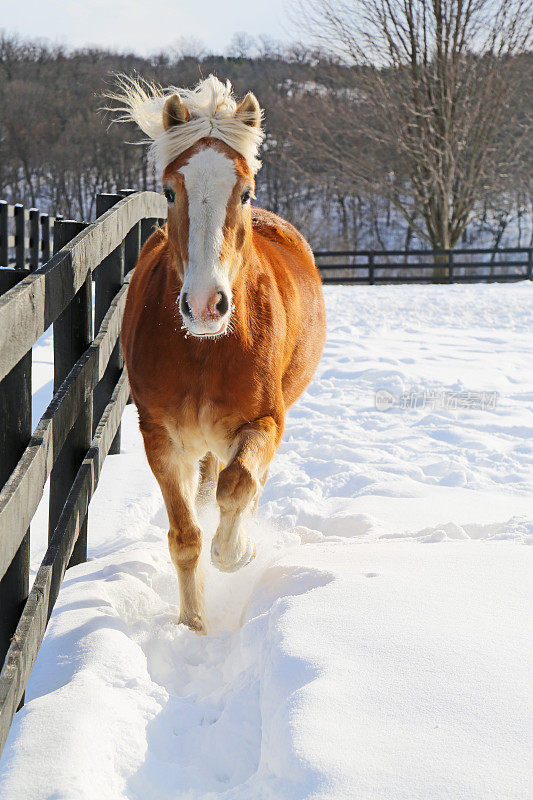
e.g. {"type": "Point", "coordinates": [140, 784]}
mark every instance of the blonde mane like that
{"type": "Point", "coordinates": [211, 106]}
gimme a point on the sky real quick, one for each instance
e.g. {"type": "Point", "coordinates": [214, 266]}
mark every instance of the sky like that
{"type": "Point", "coordinates": [146, 26]}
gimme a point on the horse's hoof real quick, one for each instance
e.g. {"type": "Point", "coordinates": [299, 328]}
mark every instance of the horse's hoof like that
{"type": "Point", "coordinates": [232, 566]}
{"type": "Point", "coordinates": [194, 622]}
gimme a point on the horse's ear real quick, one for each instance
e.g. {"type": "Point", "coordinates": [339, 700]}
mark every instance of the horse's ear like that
{"type": "Point", "coordinates": [174, 112]}
{"type": "Point", "coordinates": [249, 111]}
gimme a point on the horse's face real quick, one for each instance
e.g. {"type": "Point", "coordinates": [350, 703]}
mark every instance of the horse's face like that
{"type": "Point", "coordinates": [208, 190]}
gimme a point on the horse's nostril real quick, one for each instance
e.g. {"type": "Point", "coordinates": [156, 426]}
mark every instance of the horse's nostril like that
{"type": "Point", "coordinates": [185, 307]}
{"type": "Point", "coordinates": [222, 305]}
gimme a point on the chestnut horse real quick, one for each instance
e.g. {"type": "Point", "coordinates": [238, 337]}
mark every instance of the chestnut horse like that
{"type": "Point", "coordinates": [224, 322]}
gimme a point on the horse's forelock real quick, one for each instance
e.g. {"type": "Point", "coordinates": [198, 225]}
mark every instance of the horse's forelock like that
{"type": "Point", "coordinates": [212, 108]}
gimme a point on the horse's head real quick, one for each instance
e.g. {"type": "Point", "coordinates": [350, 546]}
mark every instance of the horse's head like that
{"type": "Point", "coordinates": [208, 190]}
{"type": "Point", "coordinates": [206, 146]}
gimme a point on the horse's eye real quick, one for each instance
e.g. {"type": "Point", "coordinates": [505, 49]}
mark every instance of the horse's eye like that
{"type": "Point", "coordinates": [170, 195]}
{"type": "Point", "coordinates": [245, 196]}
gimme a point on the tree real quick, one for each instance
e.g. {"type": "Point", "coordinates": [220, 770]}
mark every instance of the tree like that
{"type": "Point", "coordinates": [241, 45]}
{"type": "Point", "coordinates": [435, 86]}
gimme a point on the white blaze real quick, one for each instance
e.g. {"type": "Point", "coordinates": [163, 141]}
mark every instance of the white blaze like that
{"type": "Point", "coordinates": [209, 180]}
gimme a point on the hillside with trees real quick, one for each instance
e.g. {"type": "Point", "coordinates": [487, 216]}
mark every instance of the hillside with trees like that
{"type": "Point", "coordinates": [328, 163]}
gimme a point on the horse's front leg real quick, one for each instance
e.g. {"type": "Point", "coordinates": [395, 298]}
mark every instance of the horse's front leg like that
{"type": "Point", "coordinates": [176, 474]}
{"type": "Point", "coordinates": [238, 486]}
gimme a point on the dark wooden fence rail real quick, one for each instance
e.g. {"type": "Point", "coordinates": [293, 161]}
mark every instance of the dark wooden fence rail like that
{"type": "Point", "coordinates": [80, 426]}
{"type": "Point", "coordinates": [473, 265]}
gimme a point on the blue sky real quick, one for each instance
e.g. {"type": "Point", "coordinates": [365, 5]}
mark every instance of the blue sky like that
{"type": "Point", "coordinates": [147, 25]}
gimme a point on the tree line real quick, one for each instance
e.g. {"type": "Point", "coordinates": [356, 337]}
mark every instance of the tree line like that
{"type": "Point", "coordinates": [349, 157]}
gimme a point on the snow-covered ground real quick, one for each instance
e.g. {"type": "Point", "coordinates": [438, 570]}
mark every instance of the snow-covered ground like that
{"type": "Point", "coordinates": [377, 647]}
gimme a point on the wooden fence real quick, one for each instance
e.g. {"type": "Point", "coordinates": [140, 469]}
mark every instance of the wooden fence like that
{"type": "Point", "coordinates": [26, 240]}
{"type": "Point", "coordinates": [26, 236]}
{"type": "Point", "coordinates": [81, 424]}
{"type": "Point", "coordinates": [475, 265]}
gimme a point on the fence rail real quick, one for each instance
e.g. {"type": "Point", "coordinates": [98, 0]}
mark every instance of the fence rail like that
{"type": "Point", "coordinates": [459, 265]}
{"type": "Point", "coordinates": [80, 426]}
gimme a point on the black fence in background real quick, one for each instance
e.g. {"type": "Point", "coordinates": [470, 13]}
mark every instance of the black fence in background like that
{"type": "Point", "coordinates": [473, 265]}
{"type": "Point", "coordinates": [27, 236]}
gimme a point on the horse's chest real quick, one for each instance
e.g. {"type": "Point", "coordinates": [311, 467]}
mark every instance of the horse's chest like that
{"type": "Point", "coordinates": [203, 400]}
{"type": "Point", "coordinates": [199, 427]}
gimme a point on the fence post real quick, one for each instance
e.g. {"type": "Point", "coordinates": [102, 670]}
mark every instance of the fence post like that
{"type": "Point", "coordinates": [450, 266]}
{"type": "Point", "coordinates": [45, 238]}
{"type": "Point", "coordinates": [72, 336]}
{"type": "Point", "coordinates": [530, 264]}
{"type": "Point", "coordinates": [371, 267]}
{"type": "Point", "coordinates": [35, 238]}
{"type": "Point", "coordinates": [15, 433]}
{"type": "Point", "coordinates": [148, 226]}
{"type": "Point", "coordinates": [132, 246]}
{"type": "Point", "coordinates": [4, 230]}
{"type": "Point", "coordinates": [109, 277]}
{"type": "Point", "coordinates": [20, 233]}
{"type": "Point", "coordinates": [132, 241]}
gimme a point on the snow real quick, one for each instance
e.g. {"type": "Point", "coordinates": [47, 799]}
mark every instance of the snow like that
{"type": "Point", "coordinates": [377, 647]}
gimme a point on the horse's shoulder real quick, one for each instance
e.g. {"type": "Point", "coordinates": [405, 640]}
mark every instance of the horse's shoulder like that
{"type": "Point", "coordinates": [276, 229]}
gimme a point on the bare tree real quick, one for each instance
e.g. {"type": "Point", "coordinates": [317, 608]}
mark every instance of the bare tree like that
{"type": "Point", "coordinates": [242, 45]}
{"type": "Point", "coordinates": [434, 88]}
{"type": "Point", "coordinates": [190, 47]}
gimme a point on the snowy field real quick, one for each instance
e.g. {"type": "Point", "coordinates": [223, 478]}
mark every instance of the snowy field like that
{"type": "Point", "coordinates": [377, 647]}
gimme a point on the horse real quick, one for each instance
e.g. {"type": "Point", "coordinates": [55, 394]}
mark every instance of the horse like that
{"type": "Point", "coordinates": [224, 322]}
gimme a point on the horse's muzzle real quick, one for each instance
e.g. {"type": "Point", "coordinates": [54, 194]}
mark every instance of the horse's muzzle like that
{"type": "Point", "coordinates": [205, 315]}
